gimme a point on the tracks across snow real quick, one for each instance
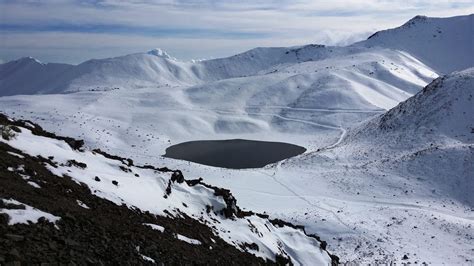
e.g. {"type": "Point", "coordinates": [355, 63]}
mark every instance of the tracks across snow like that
{"type": "Point", "coordinates": [303, 198]}
{"type": "Point", "coordinates": [318, 110]}
{"type": "Point", "coordinates": [325, 126]}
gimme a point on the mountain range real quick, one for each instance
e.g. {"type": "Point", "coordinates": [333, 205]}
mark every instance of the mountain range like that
{"type": "Point", "coordinates": [387, 124]}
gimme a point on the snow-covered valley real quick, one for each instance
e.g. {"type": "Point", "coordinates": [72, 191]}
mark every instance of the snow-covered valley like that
{"type": "Point", "coordinates": [388, 175]}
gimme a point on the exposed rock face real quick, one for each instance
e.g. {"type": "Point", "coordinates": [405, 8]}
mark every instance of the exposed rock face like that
{"type": "Point", "coordinates": [104, 233]}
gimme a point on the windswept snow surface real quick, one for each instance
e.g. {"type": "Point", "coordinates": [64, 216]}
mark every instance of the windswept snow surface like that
{"type": "Point", "coordinates": [374, 195]}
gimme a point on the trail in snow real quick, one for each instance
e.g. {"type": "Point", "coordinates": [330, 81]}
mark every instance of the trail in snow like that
{"type": "Point", "coordinates": [343, 131]}
{"type": "Point", "coordinates": [388, 204]}
{"type": "Point", "coordinates": [303, 198]}
{"type": "Point", "coordinates": [339, 140]}
{"type": "Point", "coordinates": [281, 117]}
{"type": "Point", "coordinates": [318, 110]}
{"type": "Point", "coordinates": [272, 176]}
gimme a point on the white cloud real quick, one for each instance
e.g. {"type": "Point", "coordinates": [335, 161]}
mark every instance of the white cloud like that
{"type": "Point", "coordinates": [272, 23]}
{"type": "Point", "coordinates": [77, 47]}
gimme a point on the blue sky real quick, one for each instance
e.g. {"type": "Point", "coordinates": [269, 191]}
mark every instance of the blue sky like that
{"type": "Point", "coordinates": [73, 31]}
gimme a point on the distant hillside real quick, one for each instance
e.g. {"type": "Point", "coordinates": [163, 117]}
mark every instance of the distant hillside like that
{"type": "Point", "coordinates": [29, 76]}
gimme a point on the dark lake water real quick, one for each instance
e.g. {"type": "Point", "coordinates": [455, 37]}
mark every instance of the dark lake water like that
{"type": "Point", "coordinates": [233, 153]}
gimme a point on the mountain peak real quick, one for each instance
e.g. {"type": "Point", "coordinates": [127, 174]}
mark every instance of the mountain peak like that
{"type": "Point", "coordinates": [160, 53]}
{"type": "Point", "coordinates": [440, 43]}
{"type": "Point", "coordinates": [28, 59]}
{"type": "Point", "coordinates": [419, 18]}
{"type": "Point", "coordinates": [414, 20]}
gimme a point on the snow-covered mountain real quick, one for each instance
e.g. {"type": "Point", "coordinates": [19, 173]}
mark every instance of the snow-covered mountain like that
{"type": "Point", "coordinates": [431, 134]}
{"type": "Point", "coordinates": [378, 187]}
{"type": "Point", "coordinates": [381, 67]}
{"type": "Point", "coordinates": [409, 170]}
{"type": "Point", "coordinates": [444, 44]}
{"type": "Point", "coordinates": [440, 43]}
{"type": "Point", "coordinates": [442, 111]}
{"type": "Point", "coordinates": [29, 76]}
{"type": "Point", "coordinates": [135, 70]}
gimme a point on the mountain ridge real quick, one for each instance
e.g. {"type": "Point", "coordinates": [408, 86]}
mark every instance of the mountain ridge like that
{"type": "Point", "coordinates": [447, 41]}
{"type": "Point", "coordinates": [157, 68]}
{"type": "Point", "coordinates": [368, 175]}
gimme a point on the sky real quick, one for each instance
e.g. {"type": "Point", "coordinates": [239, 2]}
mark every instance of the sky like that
{"type": "Point", "coordinates": [73, 31]}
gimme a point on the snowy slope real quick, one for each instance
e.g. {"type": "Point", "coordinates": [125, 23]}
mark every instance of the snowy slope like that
{"type": "Point", "coordinates": [167, 193]}
{"type": "Point", "coordinates": [362, 79]}
{"type": "Point", "coordinates": [397, 188]}
{"type": "Point", "coordinates": [263, 60]}
{"type": "Point", "coordinates": [442, 111]}
{"type": "Point", "coordinates": [445, 44]}
{"type": "Point", "coordinates": [431, 133]}
{"type": "Point", "coordinates": [130, 71]}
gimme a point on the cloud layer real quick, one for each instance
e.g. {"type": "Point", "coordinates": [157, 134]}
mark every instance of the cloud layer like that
{"type": "Point", "coordinates": [75, 30]}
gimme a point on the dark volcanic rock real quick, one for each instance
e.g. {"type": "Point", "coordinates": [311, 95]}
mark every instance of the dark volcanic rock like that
{"type": "Point", "coordinates": [104, 233]}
